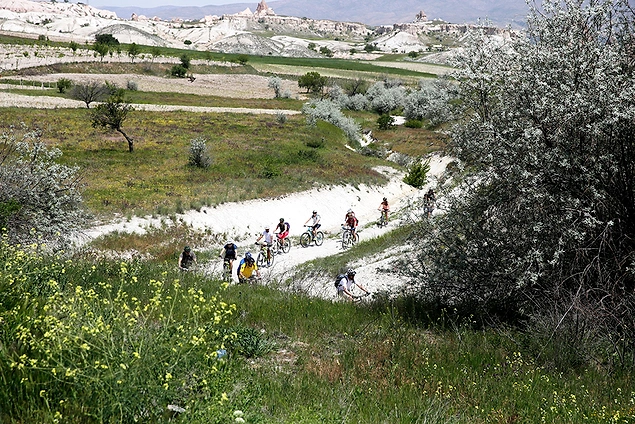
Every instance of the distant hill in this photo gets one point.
(370, 12)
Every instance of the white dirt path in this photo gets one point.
(244, 221)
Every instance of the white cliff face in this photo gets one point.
(238, 33)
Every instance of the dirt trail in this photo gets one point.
(244, 221)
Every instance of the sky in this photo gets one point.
(155, 3)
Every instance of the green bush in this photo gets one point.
(413, 123)
(64, 84)
(417, 174)
(178, 71)
(385, 122)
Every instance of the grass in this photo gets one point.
(290, 358)
(254, 156)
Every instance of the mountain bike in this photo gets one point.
(282, 246)
(227, 270)
(347, 237)
(428, 207)
(360, 297)
(261, 259)
(307, 237)
(383, 218)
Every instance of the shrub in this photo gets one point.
(281, 118)
(64, 84)
(132, 86)
(178, 71)
(385, 122)
(384, 99)
(315, 144)
(413, 123)
(328, 111)
(417, 174)
(199, 155)
(35, 191)
(275, 83)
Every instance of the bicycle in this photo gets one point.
(360, 297)
(428, 207)
(347, 237)
(383, 218)
(261, 259)
(307, 237)
(227, 270)
(252, 280)
(283, 246)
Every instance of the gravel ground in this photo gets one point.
(234, 86)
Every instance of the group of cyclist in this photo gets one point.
(247, 269)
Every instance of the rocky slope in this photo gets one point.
(262, 32)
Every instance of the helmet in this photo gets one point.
(385, 200)
(186, 248)
(281, 219)
(267, 228)
(351, 272)
(349, 211)
(248, 256)
(314, 212)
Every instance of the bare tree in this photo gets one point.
(89, 93)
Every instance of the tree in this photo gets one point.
(112, 114)
(133, 51)
(36, 192)
(543, 225)
(73, 45)
(242, 59)
(186, 61)
(64, 84)
(101, 49)
(275, 82)
(385, 122)
(313, 82)
(89, 92)
(106, 39)
(155, 52)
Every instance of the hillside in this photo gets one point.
(261, 32)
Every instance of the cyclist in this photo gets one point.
(268, 241)
(186, 259)
(230, 249)
(283, 231)
(429, 201)
(247, 269)
(351, 222)
(316, 222)
(384, 208)
(345, 283)
(242, 261)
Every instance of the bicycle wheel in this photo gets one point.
(286, 245)
(261, 260)
(319, 238)
(305, 239)
(346, 239)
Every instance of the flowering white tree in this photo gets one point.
(38, 196)
(544, 222)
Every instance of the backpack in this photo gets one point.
(242, 261)
(338, 280)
